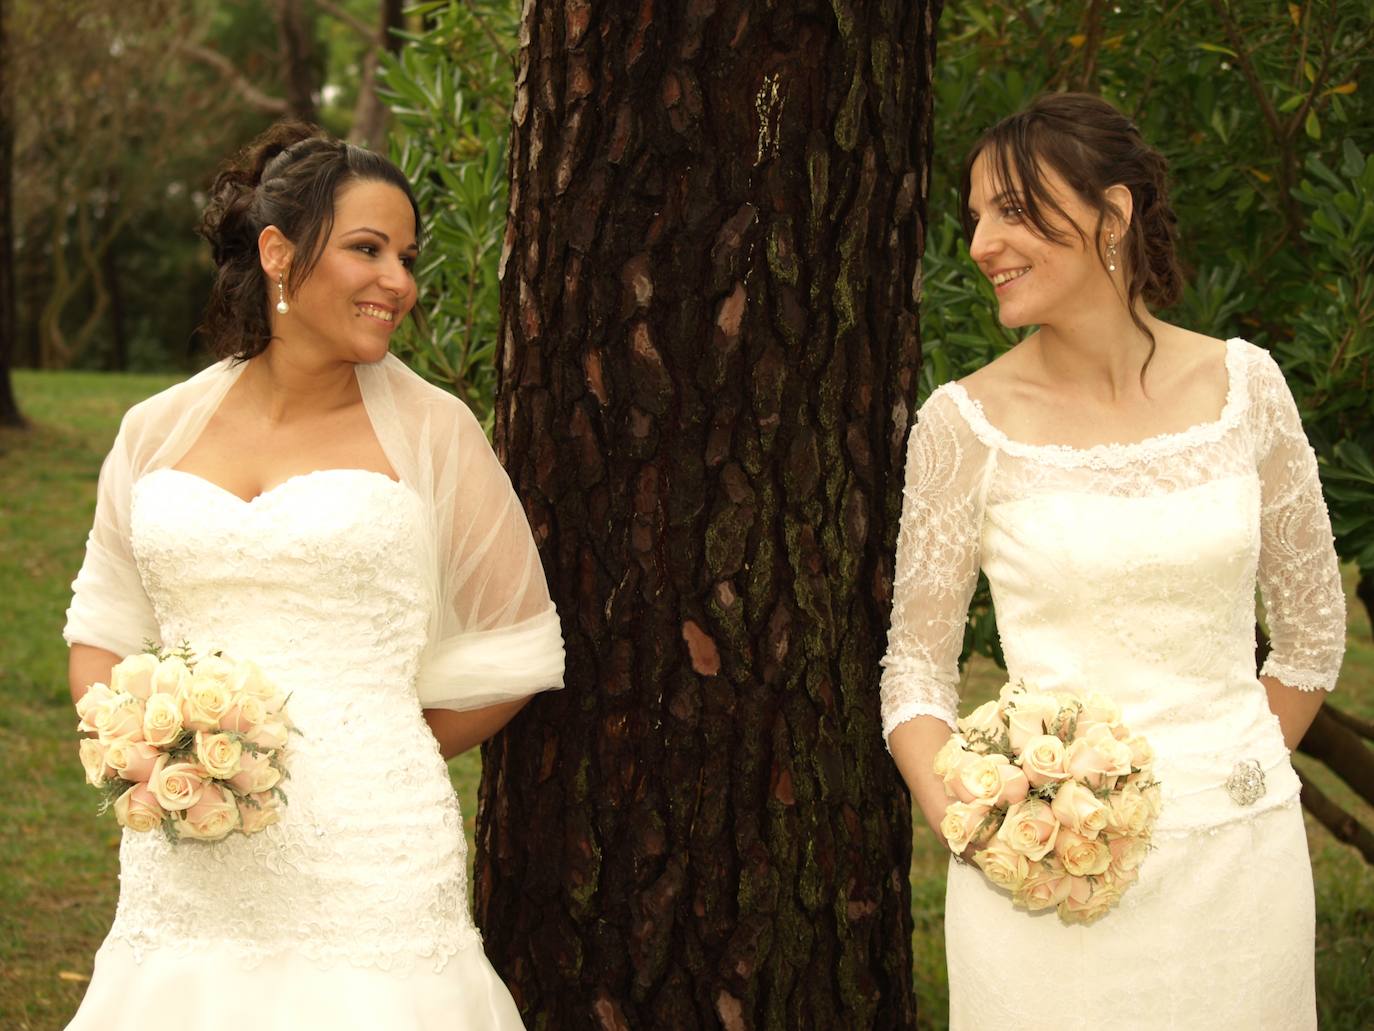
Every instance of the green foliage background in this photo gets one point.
(1259, 108)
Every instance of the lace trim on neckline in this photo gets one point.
(1115, 455)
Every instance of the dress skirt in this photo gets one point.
(196, 991)
(1218, 934)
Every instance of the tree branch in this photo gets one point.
(1247, 69)
(257, 98)
(1352, 722)
(362, 28)
(1343, 827)
(1343, 752)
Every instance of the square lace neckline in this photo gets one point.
(1114, 454)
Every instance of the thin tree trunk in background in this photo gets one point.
(370, 114)
(707, 373)
(119, 331)
(9, 316)
(300, 70)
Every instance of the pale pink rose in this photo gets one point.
(120, 719)
(270, 735)
(218, 754)
(138, 810)
(979, 778)
(96, 698)
(1079, 810)
(214, 668)
(1042, 760)
(1086, 905)
(1097, 759)
(1046, 885)
(246, 712)
(93, 762)
(1142, 755)
(212, 818)
(1128, 812)
(131, 760)
(1081, 857)
(1153, 797)
(1099, 709)
(172, 677)
(1127, 855)
(256, 774)
(248, 679)
(177, 786)
(1029, 828)
(1003, 866)
(257, 812)
(1015, 786)
(134, 676)
(985, 720)
(162, 720)
(1030, 715)
(950, 756)
(205, 702)
(964, 824)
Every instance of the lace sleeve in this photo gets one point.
(937, 565)
(1299, 578)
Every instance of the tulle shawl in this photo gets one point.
(494, 633)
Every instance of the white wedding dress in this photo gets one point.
(352, 912)
(1130, 570)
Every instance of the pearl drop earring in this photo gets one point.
(1111, 252)
(282, 306)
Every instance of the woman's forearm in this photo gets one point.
(87, 665)
(456, 732)
(1295, 709)
(913, 745)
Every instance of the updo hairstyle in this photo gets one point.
(1092, 146)
(288, 177)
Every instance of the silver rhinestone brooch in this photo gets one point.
(1246, 783)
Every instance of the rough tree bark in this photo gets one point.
(9, 318)
(708, 367)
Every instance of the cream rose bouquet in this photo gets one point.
(193, 747)
(1056, 795)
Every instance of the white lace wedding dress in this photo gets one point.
(352, 912)
(1131, 570)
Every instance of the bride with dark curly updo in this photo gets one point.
(311, 505)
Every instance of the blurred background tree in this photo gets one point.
(121, 114)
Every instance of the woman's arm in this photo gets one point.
(1295, 708)
(456, 732)
(87, 665)
(913, 745)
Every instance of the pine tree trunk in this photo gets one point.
(9, 316)
(707, 372)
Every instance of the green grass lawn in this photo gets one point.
(58, 890)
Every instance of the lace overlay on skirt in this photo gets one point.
(318, 582)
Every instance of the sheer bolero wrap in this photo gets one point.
(960, 467)
(494, 634)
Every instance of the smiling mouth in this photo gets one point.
(385, 314)
(1003, 278)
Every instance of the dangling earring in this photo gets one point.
(1111, 255)
(282, 306)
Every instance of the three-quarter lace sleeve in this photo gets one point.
(937, 565)
(1299, 577)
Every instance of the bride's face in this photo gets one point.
(1038, 281)
(363, 285)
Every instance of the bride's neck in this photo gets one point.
(285, 386)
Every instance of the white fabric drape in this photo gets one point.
(494, 633)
